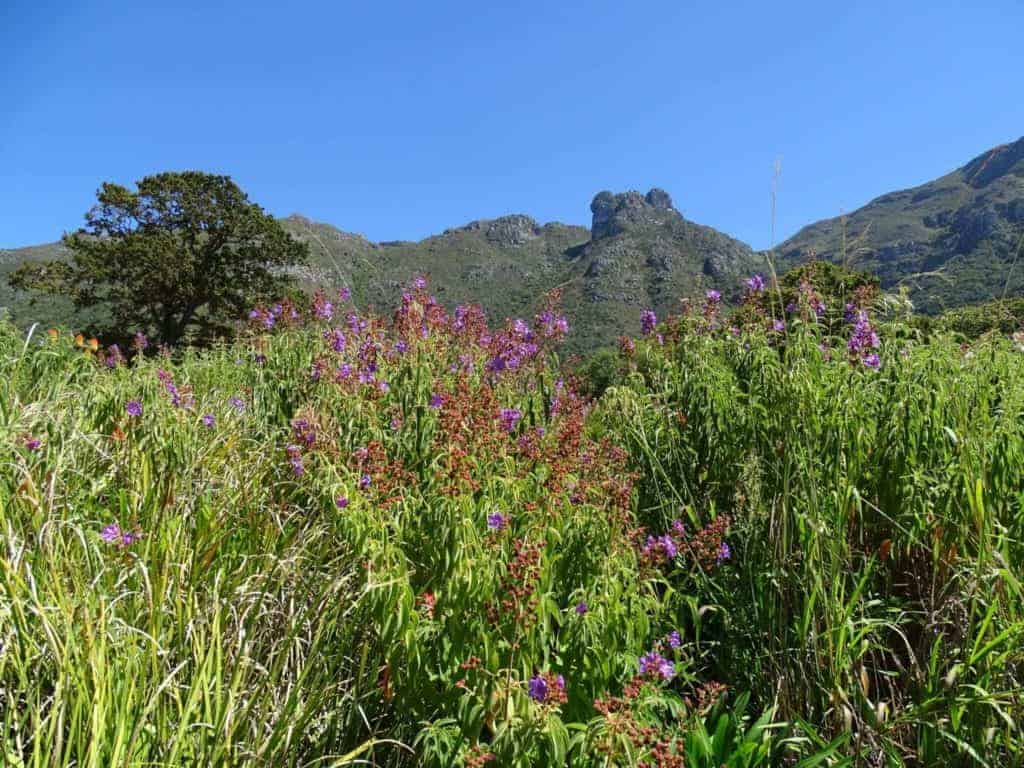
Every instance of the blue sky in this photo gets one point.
(398, 120)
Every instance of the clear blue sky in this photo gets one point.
(397, 120)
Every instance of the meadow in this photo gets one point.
(354, 540)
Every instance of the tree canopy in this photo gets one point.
(179, 259)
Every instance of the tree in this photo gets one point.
(178, 259)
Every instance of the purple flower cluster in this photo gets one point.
(724, 553)
(512, 347)
(336, 338)
(322, 308)
(653, 663)
(863, 340)
(113, 357)
(294, 453)
(179, 398)
(552, 326)
(303, 432)
(133, 408)
(509, 418)
(661, 548)
(756, 283)
(545, 689)
(113, 534)
(648, 321)
(497, 521)
(209, 420)
(237, 403)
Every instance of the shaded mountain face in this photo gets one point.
(949, 242)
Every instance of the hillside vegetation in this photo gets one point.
(952, 241)
(351, 540)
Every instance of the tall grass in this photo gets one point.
(349, 541)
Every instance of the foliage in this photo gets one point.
(180, 257)
(411, 542)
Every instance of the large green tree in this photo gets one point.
(180, 258)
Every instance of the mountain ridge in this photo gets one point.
(948, 242)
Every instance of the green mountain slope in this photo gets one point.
(952, 241)
(640, 252)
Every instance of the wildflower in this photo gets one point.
(364, 482)
(134, 408)
(509, 418)
(336, 338)
(209, 420)
(648, 320)
(496, 521)
(419, 283)
(724, 553)
(546, 688)
(345, 293)
(713, 296)
(436, 401)
(113, 357)
(755, 283)
(779, 326)
(237, 403)
(872, 361)
(581, 608)
(322, 308)
(653, 663)
(341, 502)
(114, 534)
(673, 639)
(140, 342)
(32, 442)
(260, 359)
(295, 459)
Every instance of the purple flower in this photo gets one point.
(419, 283)
(209, 420)
(134, 408)
(113, 534)
(655, 663)
(496, 521)
(237, 403)
(779, 326)
(33, 443)
(668, 545)
(673, 639)
(436, 401)
(140, 342)
(345, 294)
(648, 320)
(341, 502)
(538, 689)
(295, 459)
(509, 418)
(581, 608)
(756, 283)
(365, 481)
(724, 553)
(322, 308)
(872, 361)
(713, 296)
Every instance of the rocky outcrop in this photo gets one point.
(614, 214)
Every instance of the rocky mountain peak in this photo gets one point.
(614, 213)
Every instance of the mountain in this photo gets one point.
(950, 242)
(639, 252)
